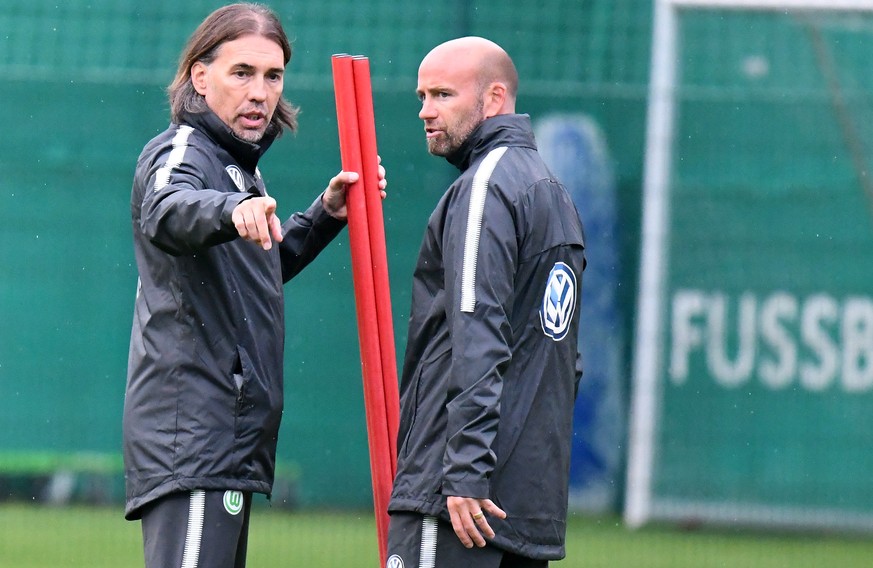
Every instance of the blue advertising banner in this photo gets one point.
(576, 151)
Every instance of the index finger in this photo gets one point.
(258, 222)
(275, 227)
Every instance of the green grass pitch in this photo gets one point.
(34, 536)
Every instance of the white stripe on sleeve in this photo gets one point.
(474, 227)
(177, 154)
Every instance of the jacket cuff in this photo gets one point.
(320, 216)
(479, 489)
(230, 204)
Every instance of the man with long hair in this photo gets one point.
(204, 391)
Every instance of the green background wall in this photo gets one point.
(765, 374)
(82, 92)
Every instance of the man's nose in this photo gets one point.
(258, 89)
(427, 109)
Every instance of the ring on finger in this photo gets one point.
(478, 515)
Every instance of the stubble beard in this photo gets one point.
(454, 137)
(251, 136)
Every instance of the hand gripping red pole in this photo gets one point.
(377, 343)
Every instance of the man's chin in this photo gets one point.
(437, 149)
(252, 136)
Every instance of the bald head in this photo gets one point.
(481, 61)
(462, 83)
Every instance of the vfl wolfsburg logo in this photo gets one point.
(233, 502)
(559, 302)
(394, 562)
(237, 176)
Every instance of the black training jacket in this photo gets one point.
(204, 388)
(490, 372)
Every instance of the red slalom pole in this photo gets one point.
(381, 458)
(378, 252)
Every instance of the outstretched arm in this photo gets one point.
(255, 219)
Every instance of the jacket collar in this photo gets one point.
(500, 130)
(245, 153)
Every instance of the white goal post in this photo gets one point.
(655, 228)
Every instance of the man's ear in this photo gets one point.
(495, 99)
(198, 77)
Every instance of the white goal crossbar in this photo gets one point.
(653, 254)
(846, 5)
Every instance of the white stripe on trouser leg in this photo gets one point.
(196, 511)
(427, 557)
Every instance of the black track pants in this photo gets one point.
(197, 529)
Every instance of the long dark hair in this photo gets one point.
(223, 25)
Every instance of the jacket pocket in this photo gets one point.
(428, 397)
(253, 413)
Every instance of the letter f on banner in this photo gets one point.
(689, 306)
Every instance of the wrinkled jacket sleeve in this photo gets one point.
(304, 235)
(180, 214)
(481, 341)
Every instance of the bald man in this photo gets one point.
(491, 370)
